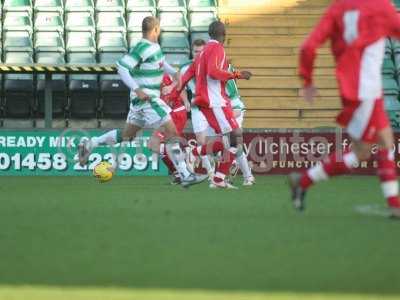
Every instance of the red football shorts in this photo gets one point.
(221, 119)
(363, 119)
(179, 118)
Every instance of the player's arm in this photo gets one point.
(170, 70)
(127, 63)
(317, 37)
(186, 77)
(215, 71)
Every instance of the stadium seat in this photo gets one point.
(114, 95)
(110, 5)
(18, 88)
(80, 21)
(17, 21)
(49, 42)
(17, 41)
(199, 35)
(175, 42)
(17, 6)
(135, 20)
(49, 6)
(392, 107)
(173, 21)
(397, 3)
(111, 42)
(58, 84)
(172, 5)
(83, 89)
(176, 59)
(388, 49)
(49, 21)
(390, 86)
(80, 42)
(202, 5)
(110, 21)
(200, 21)
(388, 67)
(79, 6)
(141, 5)
(133, 39)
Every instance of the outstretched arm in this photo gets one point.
(308, 50)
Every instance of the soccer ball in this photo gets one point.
(103, 171)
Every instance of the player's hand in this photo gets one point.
(142, 95)
(309, 93)
(243, 75)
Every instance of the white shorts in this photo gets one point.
(149, 114)
(200, 123)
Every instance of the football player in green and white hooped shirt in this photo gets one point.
(142, 70)
(199, 121)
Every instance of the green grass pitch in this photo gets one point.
(140, 238)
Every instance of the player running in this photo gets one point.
(142, 71)
(210, 70)
(356, 29)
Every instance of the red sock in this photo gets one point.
(330, 167)
(387, 174)
(210, 148)
(226, 162)
(168, 162)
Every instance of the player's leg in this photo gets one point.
(387, 171)
(200, 126)
(241, 156)
(223, 122)
(361, 123)
(110, 138)
(157, 115)
(157, 146)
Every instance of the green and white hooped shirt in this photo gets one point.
(145, 64)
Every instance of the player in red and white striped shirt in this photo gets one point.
(210, 70)
(356, 29)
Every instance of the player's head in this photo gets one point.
(217, 32)
(197, 47)
(151, 28)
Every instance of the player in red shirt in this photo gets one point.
(356, 29)
(178, 114)
(210, 70)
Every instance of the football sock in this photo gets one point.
(109, 138)
(210, 148)
(168, 162)
(177, 157)
(330, 167)
(388, 176)
(205, 162)
(223, 168)
(243, 164)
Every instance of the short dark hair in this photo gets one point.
(216, 30)
(199, 42)
(149, 23)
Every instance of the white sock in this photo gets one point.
(109, 138)
(243, 163)
(205, 161)
(178, 158)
